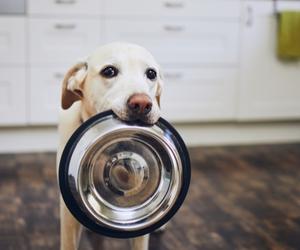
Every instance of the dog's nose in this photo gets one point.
(139, 104)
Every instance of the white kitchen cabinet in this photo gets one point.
(65, 7)
(54, 41)
(12, 40)
(12, 96)
(45, 91)
(199, 94)
(179, 41)
(173, 8)
(270, 88)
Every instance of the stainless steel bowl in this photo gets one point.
(124, 179)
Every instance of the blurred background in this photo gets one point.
(232, 89)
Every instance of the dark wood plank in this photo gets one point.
(240, 198)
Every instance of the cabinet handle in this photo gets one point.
(65, 1)
(173, 76)
(174, 28)
(249, 16)
(58, 75)
(174, 5)
(61, 26)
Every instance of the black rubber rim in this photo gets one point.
(82, 217)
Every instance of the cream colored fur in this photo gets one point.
(85, 92)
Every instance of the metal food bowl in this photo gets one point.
(124, 179)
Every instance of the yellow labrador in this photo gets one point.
(118, 76)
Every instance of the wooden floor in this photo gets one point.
(240, 198)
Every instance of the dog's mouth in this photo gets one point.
(148, 119)
(141, 119)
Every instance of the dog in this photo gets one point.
(122, 77)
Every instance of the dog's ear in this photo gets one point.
(159, 89)
(158, 96)
(73, 84)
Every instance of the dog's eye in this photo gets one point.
(109, 72)
(151, 74)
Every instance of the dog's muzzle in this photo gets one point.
(124, 179)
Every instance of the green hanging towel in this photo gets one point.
(288, 46)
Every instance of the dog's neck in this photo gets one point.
(85, 113)
(83, 116)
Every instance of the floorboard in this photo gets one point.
(244, 197)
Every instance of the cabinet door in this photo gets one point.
(64, 7)
(45, 91)
(270, 88)
(173, 8)
(54, 41)
(12, 40)
(179, 41)
(12, 96)
(195, 94)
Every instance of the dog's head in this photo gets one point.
(118, 76)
